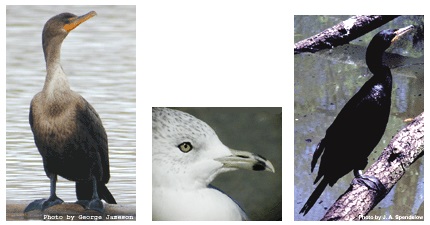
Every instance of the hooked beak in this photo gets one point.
(400, 32)
(246, 160)
(76, 21)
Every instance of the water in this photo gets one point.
(99, 58)
(325, 81)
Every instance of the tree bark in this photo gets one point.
(404, 149)
(341, 33)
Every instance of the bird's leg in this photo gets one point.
(370, 182)
(95, 203)
(42, 204)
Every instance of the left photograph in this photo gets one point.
(71, 113)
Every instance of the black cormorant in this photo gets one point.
(67, 130)
(360, 124)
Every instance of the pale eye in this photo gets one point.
(185, 147)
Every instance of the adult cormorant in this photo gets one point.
(67, 130)
(360, 124)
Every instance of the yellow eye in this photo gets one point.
(185, 147)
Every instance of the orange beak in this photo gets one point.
(76, 21)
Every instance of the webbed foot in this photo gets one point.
(370, 182)
(93, 204)
(42, 204)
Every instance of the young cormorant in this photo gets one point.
(360, 124)
(67, 130)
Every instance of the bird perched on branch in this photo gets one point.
(360, 124)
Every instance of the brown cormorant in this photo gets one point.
(360, 124)
(67, 130)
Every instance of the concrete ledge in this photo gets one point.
(70, 212)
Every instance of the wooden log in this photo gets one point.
(341, 33)
(70, 212)
(404, 149)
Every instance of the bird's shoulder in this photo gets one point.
(88, 117)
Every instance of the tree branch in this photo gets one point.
(341, 33)
(404, 149)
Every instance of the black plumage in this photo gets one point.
(360, 124)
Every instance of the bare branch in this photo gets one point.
(404, 149)
(341, 33)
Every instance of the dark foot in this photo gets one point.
(43, 204)
(370, 182)
(94, 204)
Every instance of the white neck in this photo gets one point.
(195, 204)
(56, 80)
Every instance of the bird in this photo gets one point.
(360, 124)
(187, 155)
(67, 130)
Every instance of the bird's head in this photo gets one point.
(380, 42)
(58, 27)
(385, 38)
(188, 151)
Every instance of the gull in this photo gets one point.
(187, 155)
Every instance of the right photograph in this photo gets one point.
(359, 118)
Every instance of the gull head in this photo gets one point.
(187, 153)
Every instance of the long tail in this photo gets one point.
(105, 194)
(314, 197)
(84, 191)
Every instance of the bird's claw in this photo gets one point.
(42, 204)
(94, 204)
(370, 182)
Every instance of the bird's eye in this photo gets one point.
(185, 147)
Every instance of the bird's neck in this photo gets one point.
(56, 79)
(374, 61)
(193, 204)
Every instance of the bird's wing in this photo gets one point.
(91, 128)
(242, 212)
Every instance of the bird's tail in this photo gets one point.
(314, 197)
(84, 191)
(105, 194)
